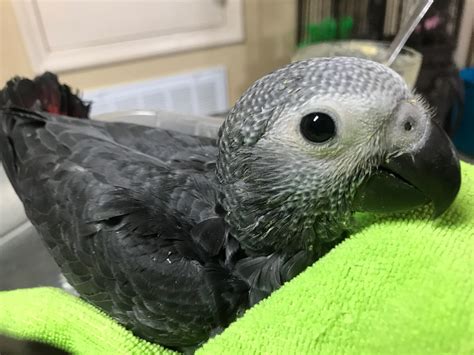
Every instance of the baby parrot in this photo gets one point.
(174, 236)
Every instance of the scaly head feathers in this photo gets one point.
(289, 184)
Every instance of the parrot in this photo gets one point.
(175, 236)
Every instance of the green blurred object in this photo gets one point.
(327, 30)
(313, 33)
(345, 27)
(401, 284)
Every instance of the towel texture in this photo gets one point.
(53, 316)
(400, 285)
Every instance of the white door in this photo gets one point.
(71, 34)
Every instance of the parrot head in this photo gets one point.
(309, 144)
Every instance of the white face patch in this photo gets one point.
(357, 119)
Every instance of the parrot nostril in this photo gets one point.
(408, 126)
(219, 209)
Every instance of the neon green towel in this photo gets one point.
(400, 285)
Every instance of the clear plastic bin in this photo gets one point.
(204, 126)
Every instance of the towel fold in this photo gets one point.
(400, 285)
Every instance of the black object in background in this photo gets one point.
(439, 82)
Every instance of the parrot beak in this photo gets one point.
(430, 174)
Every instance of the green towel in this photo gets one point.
(400, 285)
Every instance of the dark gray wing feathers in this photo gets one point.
(127, 219)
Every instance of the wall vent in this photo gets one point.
(201, 92)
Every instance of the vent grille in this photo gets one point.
(199, 93)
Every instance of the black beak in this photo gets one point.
(430, 174)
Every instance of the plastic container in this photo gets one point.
(407, 64)
(204, 126)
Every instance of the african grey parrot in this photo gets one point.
(175, 236)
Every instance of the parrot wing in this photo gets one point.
(132, 217)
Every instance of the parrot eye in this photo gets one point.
(318, 127)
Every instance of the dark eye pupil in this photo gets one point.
(318, 127)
